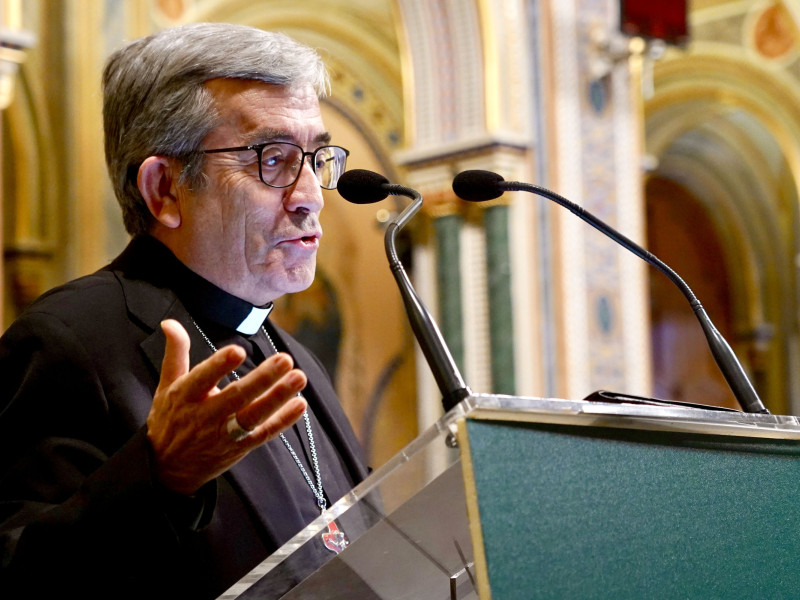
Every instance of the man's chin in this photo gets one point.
(296, 280)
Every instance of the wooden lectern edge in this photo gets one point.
(473, 511)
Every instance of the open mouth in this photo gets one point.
(306, 241)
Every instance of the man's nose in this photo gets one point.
(306, 194)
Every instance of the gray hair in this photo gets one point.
(155, 103)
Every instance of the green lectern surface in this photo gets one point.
(599, 512)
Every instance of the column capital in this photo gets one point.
(432, 175)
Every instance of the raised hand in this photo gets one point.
(187, 425)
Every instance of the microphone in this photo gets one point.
(360, 186)
(477, 185)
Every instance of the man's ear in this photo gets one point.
(155, 181)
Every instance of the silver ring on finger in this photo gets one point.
(235, 431)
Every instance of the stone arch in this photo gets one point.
(729, 134)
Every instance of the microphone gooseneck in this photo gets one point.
(478, 185)
(364, 187)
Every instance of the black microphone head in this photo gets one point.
(360, 186)
(477, 185)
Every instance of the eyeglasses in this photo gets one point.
(280, 163)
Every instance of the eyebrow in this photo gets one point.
(280, 135)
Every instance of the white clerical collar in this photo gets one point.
(255, 319)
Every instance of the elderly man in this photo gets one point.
(153, 441)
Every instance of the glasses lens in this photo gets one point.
(329, 164)
(280, 164)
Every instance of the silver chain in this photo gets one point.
(317, 490)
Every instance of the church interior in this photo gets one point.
(681, 130)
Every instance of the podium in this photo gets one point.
(508, 498)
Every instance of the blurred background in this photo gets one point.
(677, 122)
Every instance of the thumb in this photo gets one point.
(176, 352)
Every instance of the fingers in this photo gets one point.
(258, 381)
(176, 352)
(205, 375)
(280, 397)
(286, 416)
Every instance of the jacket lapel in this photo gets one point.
(149, 305)
(325, 404)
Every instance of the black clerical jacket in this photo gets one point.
(79, 509)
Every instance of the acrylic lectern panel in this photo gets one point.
(407, 527)
(560, 499)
